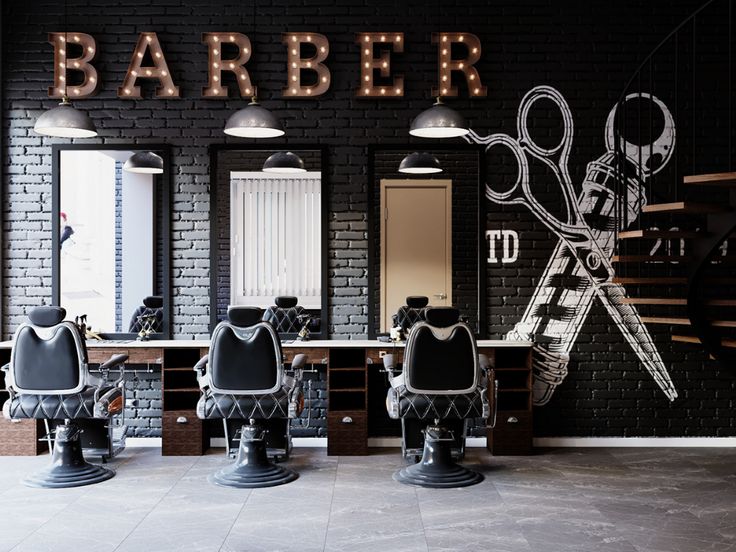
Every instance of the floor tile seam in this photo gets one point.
(332, 501)
(153, 507)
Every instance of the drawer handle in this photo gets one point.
(347, 420)
(182, 420)
(513, 420)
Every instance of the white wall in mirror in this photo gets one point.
(106, 228)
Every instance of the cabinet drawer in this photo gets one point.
(183, 434)
(347, 433)
(513, 433)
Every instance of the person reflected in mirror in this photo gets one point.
(66, 230)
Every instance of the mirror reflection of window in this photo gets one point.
(275, 233)
(106, 226)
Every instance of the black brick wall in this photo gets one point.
(586, 50)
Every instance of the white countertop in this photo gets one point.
(317, 343)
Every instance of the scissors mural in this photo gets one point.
(580, 268)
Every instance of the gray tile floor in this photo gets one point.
(572, 500)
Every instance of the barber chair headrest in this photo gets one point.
(153, 302)
(47, 316)
(442, 317)
(417, 301)
(286, 301)
(243, 317)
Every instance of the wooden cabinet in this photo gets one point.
(183, 434)
(347, 388)
(513, 432)
(22, 437)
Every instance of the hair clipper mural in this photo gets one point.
(580, 268)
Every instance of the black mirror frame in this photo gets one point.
(373, 149)
(214, 151)
(165, 191)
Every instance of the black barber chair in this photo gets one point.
(290, 318)
(411, 313)
(243, 378)
(149, 317)
(48, 378)
(442, 380)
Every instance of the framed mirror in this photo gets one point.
(110, 237)
(426, 232)
(269, 233)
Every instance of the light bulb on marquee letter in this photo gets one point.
(446, 65)
(159, 70)
(368, 64)
(216, 64)
(295, 64)
(63, 64)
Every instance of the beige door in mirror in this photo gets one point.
(416, 243)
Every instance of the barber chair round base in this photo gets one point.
(68, 467)
(252, 468)
(437, 469)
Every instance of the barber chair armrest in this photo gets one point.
(115, 362)
(5, 367)
(201, 368)
(485, 363)
(395, 374)
(297, 365)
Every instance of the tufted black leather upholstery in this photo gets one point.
(91, 402)
(411, 313)
(244, 375)
(48, 377)
(152, 306)
(285, 315)
(441, 374)
(244, 407)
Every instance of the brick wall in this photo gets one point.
(585, 50)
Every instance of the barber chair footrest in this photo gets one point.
(68, 467)
(437, 469)
(252, 468)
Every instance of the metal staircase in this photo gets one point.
(676, 241)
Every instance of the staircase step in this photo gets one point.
(685, 207)
(730, 343)
(643, 280)
(657, 234)
(653, 301)
(676, 301)
(665, 320)
(649, 258)
(685, 321)
(713, 179)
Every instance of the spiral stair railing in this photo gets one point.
(677, 208)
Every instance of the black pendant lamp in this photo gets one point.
(439, 121)
(284, 162)
(144, 162)
(254, 121)
(64, 121)
(420, 162)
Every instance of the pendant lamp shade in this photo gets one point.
(420, 163)
(254, 121)
(439, 121)
(64, 121)
(144, 162)
(284, 162)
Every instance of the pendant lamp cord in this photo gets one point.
(254, 99)
(64, 97)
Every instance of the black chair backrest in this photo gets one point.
(245, 354)
(441, 356)
(48, 354)
(285, 315)
(412, 312)
(152, 306)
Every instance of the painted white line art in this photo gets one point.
(580, 268)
